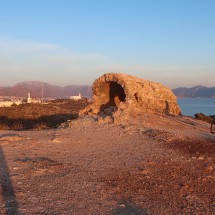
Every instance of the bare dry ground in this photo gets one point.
(153, 165)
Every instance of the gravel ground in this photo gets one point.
(156, 165)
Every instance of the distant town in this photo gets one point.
(7, 101)
(19, 91)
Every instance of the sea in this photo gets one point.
(191, 106)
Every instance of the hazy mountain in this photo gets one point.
(51, 91)
(197, 91)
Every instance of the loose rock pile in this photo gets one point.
(120, 95)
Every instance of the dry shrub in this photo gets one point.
(40, 116)
(203, 117)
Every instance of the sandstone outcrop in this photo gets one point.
(119, 95)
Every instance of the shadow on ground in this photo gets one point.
(10, 203)
(43, 122)
(129, 209)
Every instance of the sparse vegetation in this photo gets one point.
(38, 116)
(203, 117)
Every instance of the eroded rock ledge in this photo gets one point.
(116, 95)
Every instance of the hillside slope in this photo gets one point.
(51, 91)
(197, 91)
(154, 165)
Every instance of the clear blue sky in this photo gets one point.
(67, 42)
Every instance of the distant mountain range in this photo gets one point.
(49, 91)
(197, 91)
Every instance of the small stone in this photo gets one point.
(106, 120)
(201, 158)
(15, 168)
(209, 169)
(194, 157)
(145, 172)
(56, 141)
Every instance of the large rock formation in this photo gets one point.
(117, 94)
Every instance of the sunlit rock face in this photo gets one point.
(116, 94)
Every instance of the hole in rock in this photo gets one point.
(135, 96)
(114, 94)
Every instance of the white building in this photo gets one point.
(9, 103)
(33, 100)
(76, 98)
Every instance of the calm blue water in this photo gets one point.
(190, 106)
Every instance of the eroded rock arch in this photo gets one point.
(126, 92)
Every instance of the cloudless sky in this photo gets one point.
(67, 42)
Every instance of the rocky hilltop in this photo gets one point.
(154, 163)
(120, 94)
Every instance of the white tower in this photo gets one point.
(29, 98)
(42, 85)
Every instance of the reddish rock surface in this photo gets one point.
(120, 94)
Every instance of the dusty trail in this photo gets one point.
(153, 165)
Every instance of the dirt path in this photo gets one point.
(154, 165)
